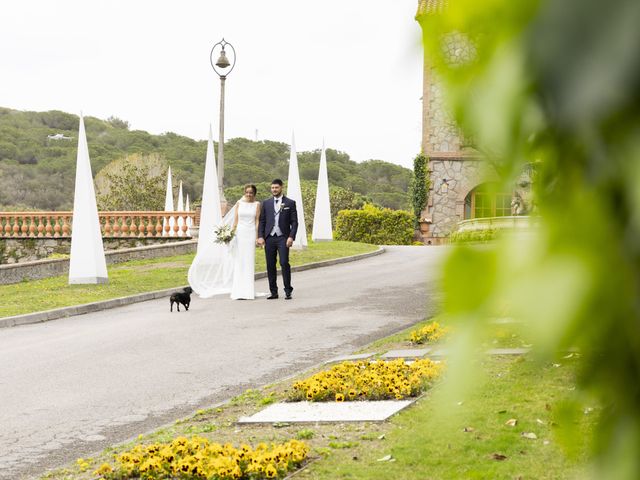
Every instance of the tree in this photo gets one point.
(23, 138)
(133, 183)
(419, 187)
(118, 123)
(8, 151)
(339, 198)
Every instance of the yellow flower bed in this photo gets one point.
(429, 333)
(367, 381)
(197, 458)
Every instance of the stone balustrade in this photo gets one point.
(494, 223)
(123, 224)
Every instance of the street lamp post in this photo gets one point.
(220, 67)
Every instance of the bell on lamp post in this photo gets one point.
(223, 61)
(220, 67)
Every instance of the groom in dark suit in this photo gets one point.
(276, 232)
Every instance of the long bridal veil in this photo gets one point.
(211, 272)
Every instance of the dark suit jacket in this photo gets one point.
(288, 220)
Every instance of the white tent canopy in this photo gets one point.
(322, 213)
(294, 192)
(87, 263)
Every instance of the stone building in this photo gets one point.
(461, 182)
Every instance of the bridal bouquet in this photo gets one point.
(224, 234)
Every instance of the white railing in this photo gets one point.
(497, 223)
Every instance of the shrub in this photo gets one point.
(379, 226)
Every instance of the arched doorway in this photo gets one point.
(486, 200)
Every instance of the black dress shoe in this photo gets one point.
(273, 296)
(287, 296)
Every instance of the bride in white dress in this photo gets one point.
(223, 268)
(247, 217)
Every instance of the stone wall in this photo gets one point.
(18, 272)
(440, 133)
(20, 250)
(454, 166)
(451, 180)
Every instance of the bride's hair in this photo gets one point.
(251, 186)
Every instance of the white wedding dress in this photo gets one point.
(245, 252)
(220, 268)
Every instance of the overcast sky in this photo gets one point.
(346, 70)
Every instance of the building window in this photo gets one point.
(486, 201)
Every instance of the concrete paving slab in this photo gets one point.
(412, 353)
(304, 412)
(350, 358)
(438, 353)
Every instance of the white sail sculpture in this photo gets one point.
(322, 213)
(294, 192)
(168, 207)
(212, 268)
(87, 263)
(180, 208)
(187, 208)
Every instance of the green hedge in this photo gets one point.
(379, 226)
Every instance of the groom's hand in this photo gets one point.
(289, 242)
(260, 242)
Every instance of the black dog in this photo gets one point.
(183, 297)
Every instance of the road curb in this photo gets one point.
(39, 317)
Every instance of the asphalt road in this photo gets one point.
(73, 386)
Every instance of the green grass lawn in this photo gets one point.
(470, 439)
(441, 437)
(436, 438)
(141, 276)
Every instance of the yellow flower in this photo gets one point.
(339, 397)
(167, 454)
(104, 469)
(83, 464)
(179, 441)
(270, 471)
(182, 466)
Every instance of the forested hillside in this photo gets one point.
(37, 171)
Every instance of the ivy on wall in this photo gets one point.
(420, 183)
